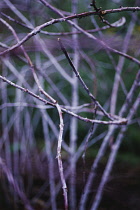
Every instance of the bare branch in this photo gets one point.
(120, 121)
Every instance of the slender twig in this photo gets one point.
(82, 82)
(116, 24)
(24, 121)
(64, 186)
(100, 12)
(54, 21)
(59, 111)
(100, 15)
(29, 62)
(41, 42)
(89, 35)
(119, 121)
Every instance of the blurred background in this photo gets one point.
(29, 129)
